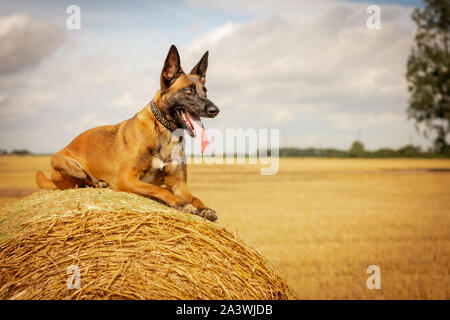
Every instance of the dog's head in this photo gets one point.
(183, 96)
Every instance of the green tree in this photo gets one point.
(428, 71)
(385, 153)
(356, 150)
(409, 151)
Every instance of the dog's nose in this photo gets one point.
(212, 111)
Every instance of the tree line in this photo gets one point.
(357, 150)
(18, 152)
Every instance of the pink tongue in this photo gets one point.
(199, 131)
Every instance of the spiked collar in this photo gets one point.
(160, 117)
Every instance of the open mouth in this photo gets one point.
(194, 127)
(189, 122)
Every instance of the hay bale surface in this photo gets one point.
(125, 247)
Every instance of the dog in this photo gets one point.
(136, 155)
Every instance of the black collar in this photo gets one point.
(160, 117)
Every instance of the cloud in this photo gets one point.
(25, 42)
(214, 36)
(304, 9)
(324, 70)
(350, 121)
(282, 116)
(24, 45)
(125, 100)
(312, 140)
(79, 87)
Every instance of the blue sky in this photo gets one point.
(311, 69)
(406, 3)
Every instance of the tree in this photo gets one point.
(428, 71)
(356, 150)
(385, 153)
(409, 151)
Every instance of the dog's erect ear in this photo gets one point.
(200, 68)
(171, 69)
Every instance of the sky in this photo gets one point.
(311, 69)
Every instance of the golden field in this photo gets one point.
(322, 222)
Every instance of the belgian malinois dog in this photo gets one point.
(136, 155)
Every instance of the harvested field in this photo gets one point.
(322, 222)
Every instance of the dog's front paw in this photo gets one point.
(188, 208)
(101, 184)
(208, 213)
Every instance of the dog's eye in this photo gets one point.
(189, 90)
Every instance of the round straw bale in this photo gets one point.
(102, 244)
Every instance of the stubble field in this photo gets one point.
(322, 222)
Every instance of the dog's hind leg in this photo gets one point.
(68, 173)
(43, 182)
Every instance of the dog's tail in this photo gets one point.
(43, 182)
